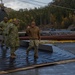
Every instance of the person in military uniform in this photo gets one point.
(3, 26)
(34, 34)
(12, 37)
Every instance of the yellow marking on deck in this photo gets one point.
(38, 65)
(56, 41)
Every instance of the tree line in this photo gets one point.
(57, 14)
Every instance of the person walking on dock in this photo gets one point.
(34, 35)
(12, 37)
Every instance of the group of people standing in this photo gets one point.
(10, 36)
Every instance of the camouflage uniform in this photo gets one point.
(3, 26)
(12, 37)
(34, 35)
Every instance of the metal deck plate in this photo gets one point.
(44, 57)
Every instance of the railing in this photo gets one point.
(53, 37)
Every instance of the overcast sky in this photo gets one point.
(18, 4)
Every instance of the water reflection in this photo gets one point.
(4, 51)
(28, 62)
(12, 63)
